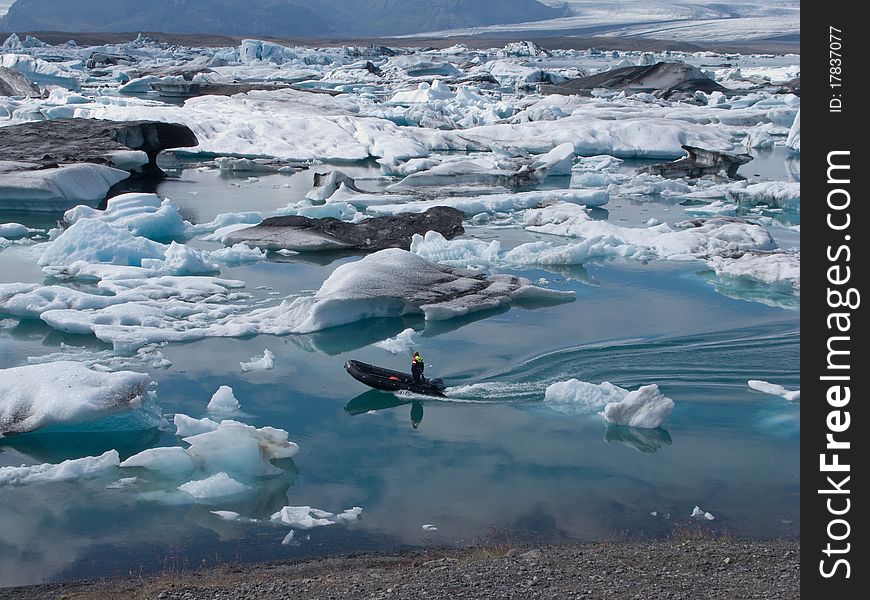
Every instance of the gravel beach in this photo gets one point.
(648, 570)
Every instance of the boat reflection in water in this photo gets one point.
(377, 400)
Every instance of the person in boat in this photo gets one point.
(417, 367)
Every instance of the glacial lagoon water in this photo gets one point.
(491, 463)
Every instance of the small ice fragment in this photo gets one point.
(215, 486)
(259, 363)
(223, 400)
(226, 515)
(697, 513)
(288, 538)
(654, 513)
(429, 527)
(774, 389)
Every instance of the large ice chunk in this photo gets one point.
(223, 400)
(58, 188)
(391, 283)
(645, 407)
(65, 392)
(96, 241)
(143, 214)
(76, 468)
(305, 517)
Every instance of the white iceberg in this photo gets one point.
(223, 400)
(698, 513)
(57, 188)
(76, 468)
(306, 517)
(259, 363)
(216, 486)
(645, 407)
(144, 215)
(392, 283)
(774, 389)
(402, 342)
(66, 392)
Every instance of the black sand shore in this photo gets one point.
(690, 569)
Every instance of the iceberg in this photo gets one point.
(56, 189)
(96, 241)
(403, 342)
(774, 389)
(66, 392)
(698, 513)
(305, 517)
(144, 215)
(259, 363)
(392, 283)
(794, 135)
(644, 407)
(223, 400)
(230, 447)
(491, 203)
(216, 486)
(76, 468)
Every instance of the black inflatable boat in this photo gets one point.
(391, 381)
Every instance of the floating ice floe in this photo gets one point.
(429, 527)
(215, 486)
(260, 363)
(69, 469)
(40, 71)
(56, 189)
(382, 205)
(187, 426)
(392, 283)
(239, 450)
(223, 400)
(480, 254)
(774, 389)
(143, 215)
(95, 241)
(699, 514)
(794, 135)
(645, 407)
(403, 342)
(305, 517)
(68, 393)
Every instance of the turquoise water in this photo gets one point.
(491, 463)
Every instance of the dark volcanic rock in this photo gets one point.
(700, 162)
(13, 83)
(377, 233)
(662, 77)
(90, 140)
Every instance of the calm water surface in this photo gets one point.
(490, 463)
